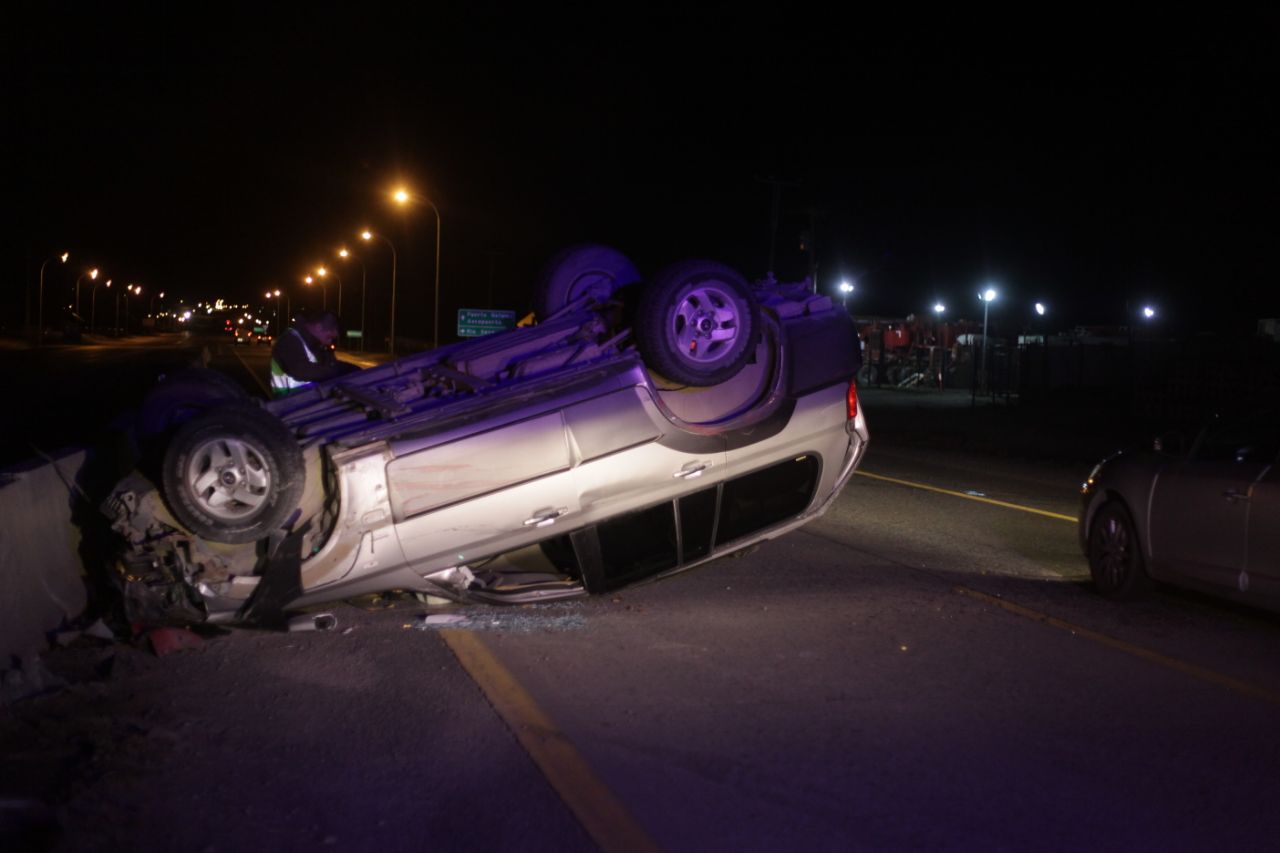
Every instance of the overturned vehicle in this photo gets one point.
(640, 428)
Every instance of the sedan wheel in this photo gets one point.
(1115, 555)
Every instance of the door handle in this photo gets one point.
(1234, 495)
(693, 469)
(545, 517)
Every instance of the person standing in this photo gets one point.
(304, 354)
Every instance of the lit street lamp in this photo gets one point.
(845, 289)
(93, 274)
(369, 235)
(93, 304)
(324, 301)
(322, 272)
(402, 197)
(136, 290)
(987, 296)
(153, 302)
(40, 297)
(345, 255)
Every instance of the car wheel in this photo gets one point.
(696, 322)
(1115, 555)
(233, 475)
(586, 270)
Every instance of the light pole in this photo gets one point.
(40, 297)
(402, 197)
(160, 295)
(93, 274)
(344, 255)
(93, 305)
(324, 301)
(987, 296)
(369, 235)
(845, 289)
(938, 310)
(135, 289)
(322, 272)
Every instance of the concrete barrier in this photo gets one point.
(42, 580)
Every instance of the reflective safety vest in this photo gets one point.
(281, 382)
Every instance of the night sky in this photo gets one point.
(1089, 163)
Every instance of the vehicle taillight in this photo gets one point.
(851, 399)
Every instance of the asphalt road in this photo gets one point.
(923, 667)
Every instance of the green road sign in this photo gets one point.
(474, 322)
(355, 333)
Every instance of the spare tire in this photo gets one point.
(588, 269)
(234, 474)
(696, 322)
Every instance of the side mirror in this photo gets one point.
(1170, 444)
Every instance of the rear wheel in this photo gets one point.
(1115, 555)
(696, 322)
(233, 475)
(586, 270)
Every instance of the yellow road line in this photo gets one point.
(1148, 655)
(978, 498)
(601, 814)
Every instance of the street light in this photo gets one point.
(40, 297)
(367, 235)
(324, 301)
(93, 304)
(160, 295)
(403, 197)
(939, 308)
(287, 307)
(1040, 309)
(987, 296)
(345, 255)
(322, 272)
(93, 274)
(136, 290)
(845, 289)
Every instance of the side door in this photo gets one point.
(630, 457)
(484, 494)
(1200, 507)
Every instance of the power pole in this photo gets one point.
(810, 242)
(777, 184)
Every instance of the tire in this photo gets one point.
(233, 475)
(696, 323)
(182, 395)
(1115, 554)
(587, 269)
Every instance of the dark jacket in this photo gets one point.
(292, 358)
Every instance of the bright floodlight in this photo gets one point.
(938, 308)
(846, 287)
(1040, 308)
(1148, 312)
(988, 295)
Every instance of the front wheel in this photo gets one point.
(233, 475)
(696, 322)
(1115, 555)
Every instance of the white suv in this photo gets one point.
(638, 429)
